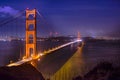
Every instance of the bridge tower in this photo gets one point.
(78, 36)
(30, 33)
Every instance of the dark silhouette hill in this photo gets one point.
(102, 71)
(22, 72)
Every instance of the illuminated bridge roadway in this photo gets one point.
(41, 54)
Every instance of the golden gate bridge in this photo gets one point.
(31, 38)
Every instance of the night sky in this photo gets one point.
(66, 17)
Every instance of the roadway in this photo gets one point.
(41, 54)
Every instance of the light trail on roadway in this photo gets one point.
(41, 54)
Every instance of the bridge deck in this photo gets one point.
(41, 54)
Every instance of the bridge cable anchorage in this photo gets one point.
(8, 20)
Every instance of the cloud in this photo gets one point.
(7, 10)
